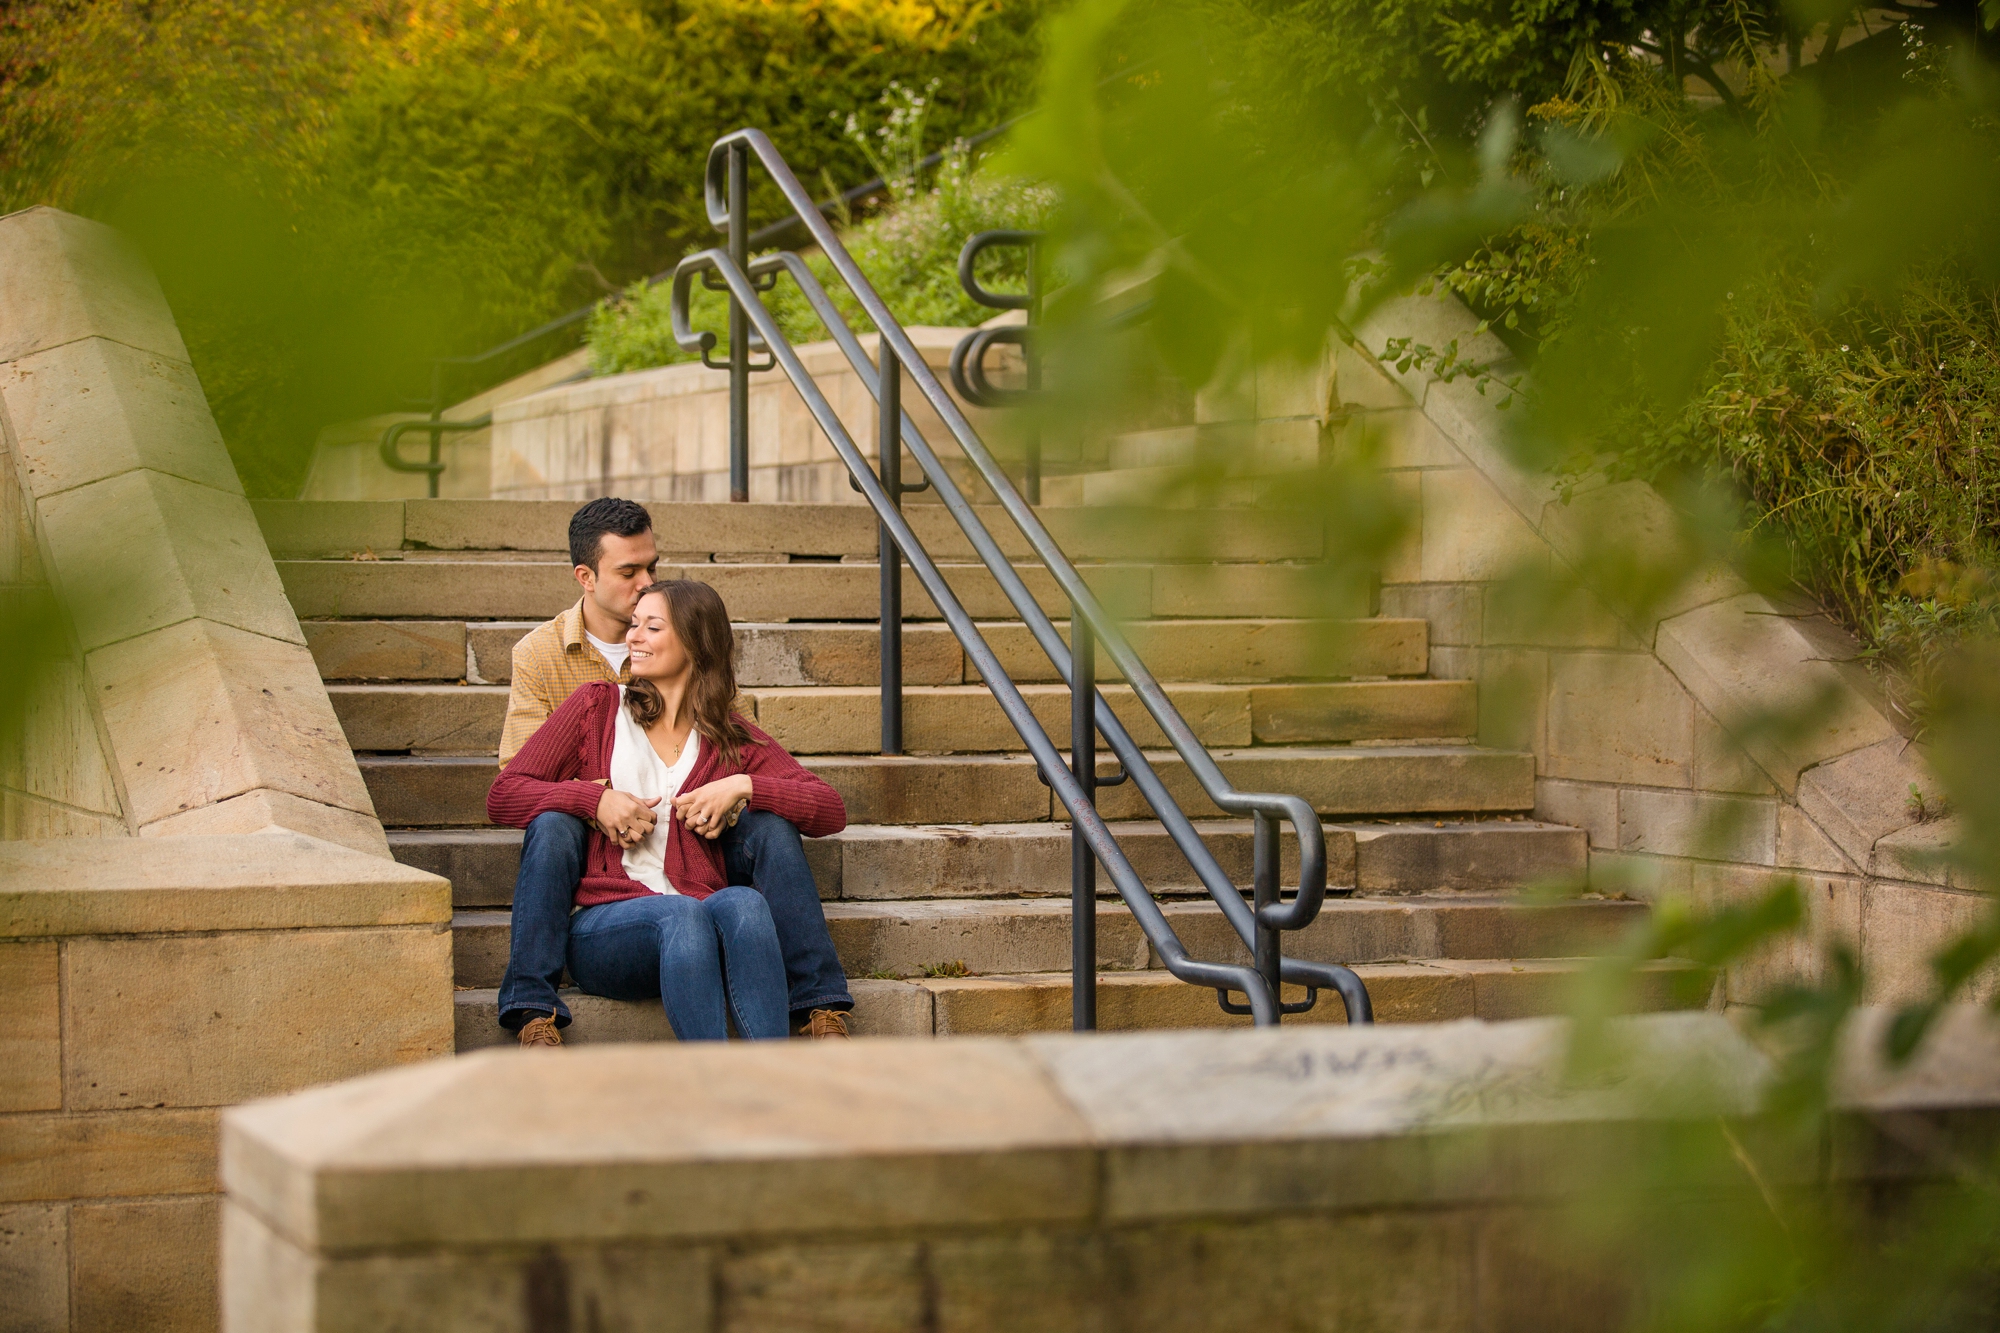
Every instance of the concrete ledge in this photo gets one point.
(279, 881)
(1048, 1182)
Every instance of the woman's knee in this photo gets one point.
(739, 909)
(766, 830)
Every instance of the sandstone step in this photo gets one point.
(917, 938)
(966, 719)
(318, 529)
(878, 862)
(1428, 992)
(433, 791)
(1213, 651)
(537, 590)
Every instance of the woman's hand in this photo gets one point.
(626, 819)
(711, 809)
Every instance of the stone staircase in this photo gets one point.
(947, 893)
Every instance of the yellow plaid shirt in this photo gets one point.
(550, 662)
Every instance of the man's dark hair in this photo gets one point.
(587, 526)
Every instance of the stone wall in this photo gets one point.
(254, 936)
(664, 434)
(1410, 1178)
(1647, 729)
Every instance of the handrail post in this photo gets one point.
(1031, 465)
(889, 440)
(437, 435)
(739, 328)
(1268, 958)
(1082, 861)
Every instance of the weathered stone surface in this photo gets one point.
(329, 529)
(1698, 824)
(921, 1154)
(881, 1009)
(430, 790)
(1545, 613)
(1903, 926)
(1802, 845)
(278, 1010)
(1232, 651)
(429, 589)
(68, 887)
(768, 655)
(480, 863)
(888, 862)
(387, 649)
(1722, 765)
(201, 712)
(1583, 805)
(906, 938)
(145, 1264)
(275, 812)
(1606, 525)
(1618, 717)
(91, 409)
(1488, 856)
(1832, 904)
(121, 1153)
(58, 754)
(1356, 780)
(68, 278)
(449, 718)
(34, 1267)
(1921, 853)
(1470, 534)
(1299, 591)
(490, 648)
(1861, 797)
(1455, 612)
(1363, 711)
(141, 551)
(910, 790)
(1744, 661)
(1413, 928)
(31, 1040)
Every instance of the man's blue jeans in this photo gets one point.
(691, 954)
(763, 850)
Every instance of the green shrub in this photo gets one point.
(335, 191)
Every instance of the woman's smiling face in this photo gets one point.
(657, 653)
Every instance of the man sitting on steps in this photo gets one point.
(613, 556)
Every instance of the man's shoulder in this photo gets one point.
(543, 643)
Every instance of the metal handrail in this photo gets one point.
(392, 439)
(1258, 926)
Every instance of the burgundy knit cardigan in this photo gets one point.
(566, 765)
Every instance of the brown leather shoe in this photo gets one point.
(827, 1023)
(541, 1032)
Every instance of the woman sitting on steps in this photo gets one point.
(660, 768)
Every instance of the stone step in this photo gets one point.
(918, 938)
(879, 862)
(1241, 651)
(450, 791)
(538, 589)
(342, 528)
(1427, 992)
(966, 719)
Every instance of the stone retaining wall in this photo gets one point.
(664, 434)
(255, 936)
(1644, 729)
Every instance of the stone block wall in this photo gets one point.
(254, 936)
(664, 434)
(1648, 729)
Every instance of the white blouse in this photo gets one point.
(636, 767)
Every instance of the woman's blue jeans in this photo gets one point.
(706, 959)
(763, 851)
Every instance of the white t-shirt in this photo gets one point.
(614, 653)
(636, 767)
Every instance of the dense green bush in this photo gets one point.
(335, 191)
(909, 252)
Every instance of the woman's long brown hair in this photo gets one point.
(701, 623)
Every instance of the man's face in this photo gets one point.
(624, 566)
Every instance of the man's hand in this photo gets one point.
(711, 809)
(626, 819)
